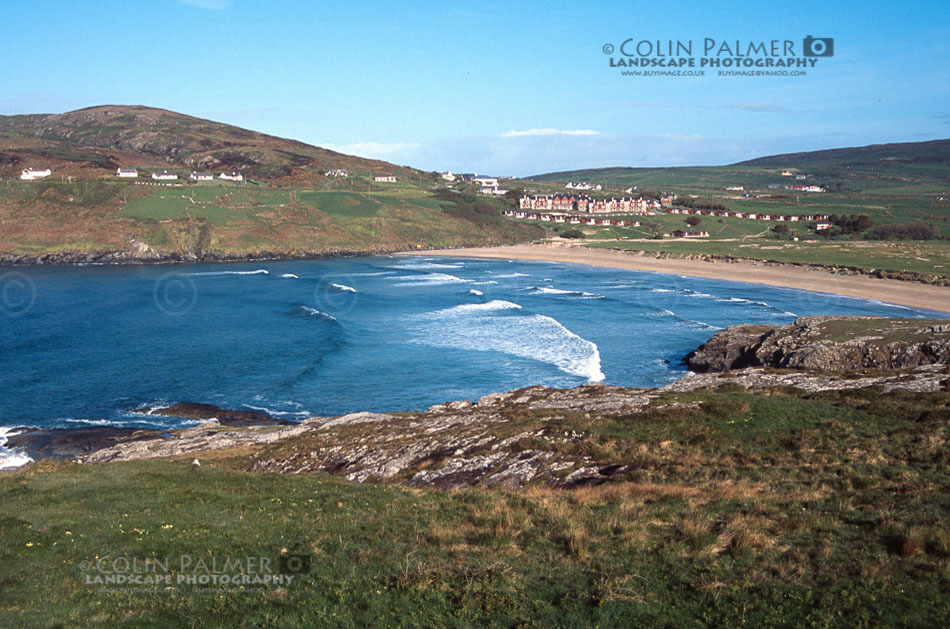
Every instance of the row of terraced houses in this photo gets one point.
(573, 220)
(753, 215)
(583, 203)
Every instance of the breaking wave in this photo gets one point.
(275, 413)
(257, 272)
(427, 266)
(497, 326)
(10, 459)
(307, 311)
(549, 290)
(430, 279)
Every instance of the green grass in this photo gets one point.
(927, 258)
(176, 203)
(348, 204)
(766, 509)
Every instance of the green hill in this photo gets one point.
(101, 139)
(286, 206)
(891, 168)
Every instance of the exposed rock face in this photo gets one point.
(505, 440)
(827, 343)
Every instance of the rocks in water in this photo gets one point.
(195, 410)
(827, 343)
(68, 443)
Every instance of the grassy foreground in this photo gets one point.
(774, 508)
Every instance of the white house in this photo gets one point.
(486, 182)
(385, 178)
(164, 176)
(232, 176)
(126, 173)
(30, 174)
(198, 176)
(493, 190)
(448, 176)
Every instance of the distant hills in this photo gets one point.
(926, 163)
(97, 140)
(934, 151)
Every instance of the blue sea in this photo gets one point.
(91, 345)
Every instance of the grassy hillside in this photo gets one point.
(767, 508)
(40, 217)
(916, 167)
(287, 204)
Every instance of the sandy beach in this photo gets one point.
(899, 292)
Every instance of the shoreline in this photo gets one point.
(900, 292)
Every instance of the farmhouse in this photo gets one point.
(448, 176)
(30, 174)
(233, 176)
(385, 178)
(126, 173)
(164, 176)
(700, 233)
(821, 226)
(198, 176)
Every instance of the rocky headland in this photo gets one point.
(827, 344)
(553, 437)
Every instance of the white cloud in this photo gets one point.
(373, 150)
(537, 132)
(208, 4)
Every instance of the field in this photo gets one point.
(355, 214)
(775, 508)
(927, 258)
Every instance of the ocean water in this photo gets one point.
(90, 345)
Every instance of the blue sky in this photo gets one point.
(493, 87)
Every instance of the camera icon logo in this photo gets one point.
(294, 564)
(818, 47)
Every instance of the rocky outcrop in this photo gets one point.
(827, 343)
(225, 417)
(503, 440)
(537, 435)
